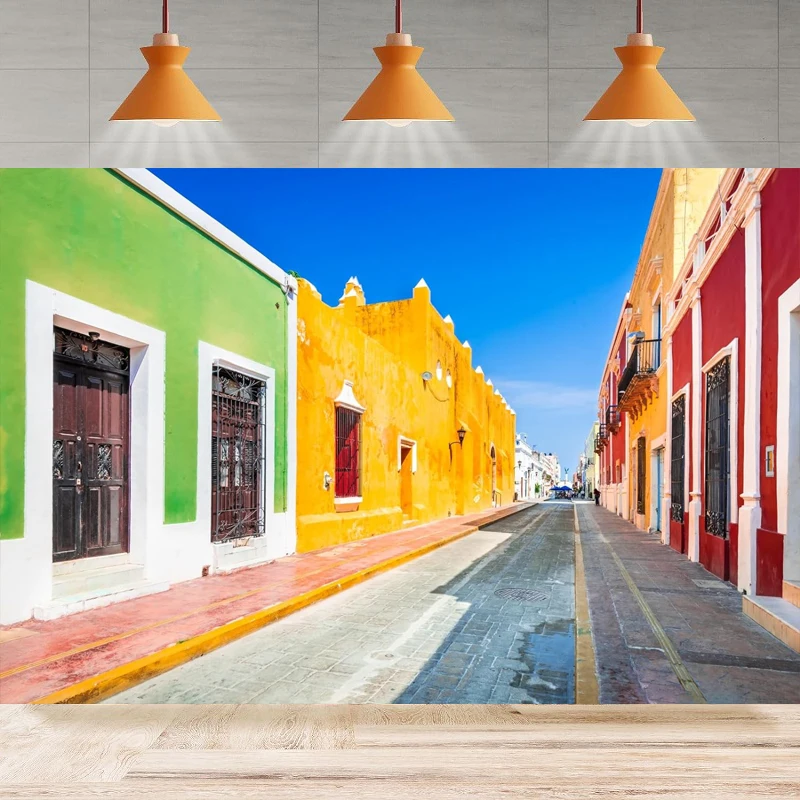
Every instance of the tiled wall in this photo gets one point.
(518, 75)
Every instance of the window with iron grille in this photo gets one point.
(641, 472)
(717, 461)
(678, 459)
(348, 453)
(237, 446)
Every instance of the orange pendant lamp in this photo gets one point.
(166, 95)
(399, 94)
(639, 95)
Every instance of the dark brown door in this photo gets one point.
(90, 460)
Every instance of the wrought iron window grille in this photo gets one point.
(678, 458)
(237, 452)
(347, 478)
(717, 449)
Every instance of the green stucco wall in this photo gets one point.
(90, 234)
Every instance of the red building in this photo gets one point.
(732, 343)
(610, 444)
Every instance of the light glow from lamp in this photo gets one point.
(165, 95)
(398, 95)
(639, 95)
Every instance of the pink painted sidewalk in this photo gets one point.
(49, 657)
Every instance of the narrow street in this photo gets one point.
(491, 619)
(487, 619)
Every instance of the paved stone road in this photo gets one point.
(490, 619)
(730, 658)
(487, 619)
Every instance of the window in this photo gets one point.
(237, 442)
(348, 453)
(678, 462)
(449, 379)
(641, 472)
(438, 370)
(717, 448)
(657, 332)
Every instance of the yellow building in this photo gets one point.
(634, 395)
(395, 426)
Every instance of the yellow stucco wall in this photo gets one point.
(687, 196)
(383, 348)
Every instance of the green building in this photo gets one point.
(148, 358)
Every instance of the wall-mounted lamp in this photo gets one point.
(461, 434)
(519, 464)
(426, 376)
(326, 481)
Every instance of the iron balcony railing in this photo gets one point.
(598, 445)
(613, 418)
(645, 359)
(603, 432)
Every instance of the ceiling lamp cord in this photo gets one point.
(165, 17)
(398, 16)
(639, 17)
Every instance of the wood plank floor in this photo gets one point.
(393, 752)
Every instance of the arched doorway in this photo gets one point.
(493, 456)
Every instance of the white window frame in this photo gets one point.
(210, 356)
(347, 399)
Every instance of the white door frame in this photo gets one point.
(787, 444)
(26, 564)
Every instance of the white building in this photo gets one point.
(551, 469)
(535, 472)
(527, 476)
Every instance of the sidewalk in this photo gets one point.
(94, 654)
(667, 631)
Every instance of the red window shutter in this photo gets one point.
(348, 445)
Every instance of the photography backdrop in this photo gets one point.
(518, 75)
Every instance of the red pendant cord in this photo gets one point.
(398, 16)
(165, 17)
(639, 17)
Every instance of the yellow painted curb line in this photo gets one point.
(675, 661)
(587, 691)
(106, 684)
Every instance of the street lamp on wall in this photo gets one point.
(461, 432)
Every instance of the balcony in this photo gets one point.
(613, 419)
(638, 382)
(603, 433)
(598, 445)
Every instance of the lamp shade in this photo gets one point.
(639, 94)
(399, 94)
(166, 94)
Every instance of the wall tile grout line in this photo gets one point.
(527, 98)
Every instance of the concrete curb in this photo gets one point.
(113, 681)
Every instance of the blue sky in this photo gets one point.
(532, 265)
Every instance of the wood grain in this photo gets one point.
(394, 752)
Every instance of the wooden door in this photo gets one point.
(90, 457)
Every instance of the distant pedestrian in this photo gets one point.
(597, 497)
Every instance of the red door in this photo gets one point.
(90, 449)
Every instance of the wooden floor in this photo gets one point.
(388, 752)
